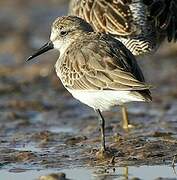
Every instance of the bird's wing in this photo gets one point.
(101, 64)
(164, 15)
(114, 17)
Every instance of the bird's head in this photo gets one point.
(64, 31)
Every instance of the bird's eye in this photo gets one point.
(63, 33)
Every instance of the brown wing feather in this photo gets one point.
(101, 63)
(110, 16)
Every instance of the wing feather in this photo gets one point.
(106, 16)
(101, 63)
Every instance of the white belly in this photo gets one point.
(103, 100)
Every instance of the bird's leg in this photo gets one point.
(102, 128)
(126, 173)
(125, 121)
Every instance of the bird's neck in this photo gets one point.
(67, 43)
(64, 47)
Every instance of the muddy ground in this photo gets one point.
(43, 127)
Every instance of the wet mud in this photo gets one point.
(42, 127)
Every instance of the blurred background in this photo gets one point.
(35, 109)
(25, 26)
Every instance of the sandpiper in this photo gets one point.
(94, 67)
(141, 25)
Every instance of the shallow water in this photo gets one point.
(143, 172)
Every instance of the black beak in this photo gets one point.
(48, 46)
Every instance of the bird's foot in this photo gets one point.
(128, 127)
(104, 154)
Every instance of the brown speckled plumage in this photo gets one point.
(141, 25)
(97, 61)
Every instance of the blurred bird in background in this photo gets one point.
(140, 24)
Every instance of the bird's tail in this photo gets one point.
(143, 95)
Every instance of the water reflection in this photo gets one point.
(111, 173)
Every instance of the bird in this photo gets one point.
(141, 25)
(94, 67)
